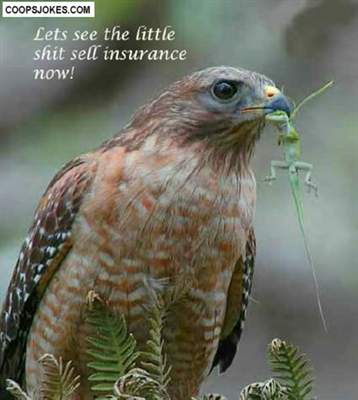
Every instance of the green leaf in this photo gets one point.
(111, 348)
(292, 369)
(153, 358)
(59, 380)
(15, 389)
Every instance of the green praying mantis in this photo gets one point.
(291, 144)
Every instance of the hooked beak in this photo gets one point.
(275, 100)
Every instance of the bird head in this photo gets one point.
(220, 110)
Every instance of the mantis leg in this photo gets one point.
(273, 165)
(303, 166)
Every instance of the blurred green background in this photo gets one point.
(298, 43)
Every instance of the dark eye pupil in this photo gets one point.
(224, 90)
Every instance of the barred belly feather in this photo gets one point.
(157, 226)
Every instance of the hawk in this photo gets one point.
(167, 202)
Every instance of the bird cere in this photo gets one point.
(163, 210)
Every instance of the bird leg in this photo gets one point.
(273, 165)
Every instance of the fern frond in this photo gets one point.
(210, 396)
(251, 392)
(59, 380)
(153, 358)
(273, 390)
(269, 390)
(137, 384)
(292, 369)
(111, 348)
(15, 390)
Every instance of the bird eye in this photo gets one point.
(224, 90)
